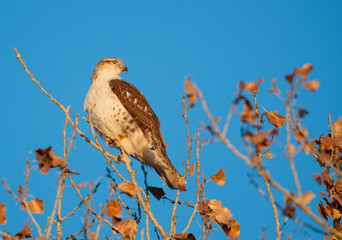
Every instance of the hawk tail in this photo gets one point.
(172, 178)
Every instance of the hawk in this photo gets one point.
(124, 119)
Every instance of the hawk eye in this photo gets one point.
(114, 62)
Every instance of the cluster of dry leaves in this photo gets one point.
(329, 156)
(258, 141)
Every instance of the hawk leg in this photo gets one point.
(115, 142)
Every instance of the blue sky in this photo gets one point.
(218, 42)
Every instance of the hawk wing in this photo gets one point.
(138, 107)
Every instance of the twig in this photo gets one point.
(199, 186)
(24, 202)
(262, 166)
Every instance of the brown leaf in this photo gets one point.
(191, 91)
(290, 77)
(250, 86)
(83, 184)
(128, 188)
(221, 216)
(274, 88)
(3, 218)
(304, 71)
(338, 185)
(274, 118)
(157, 192)
(301, 135)
(328, 182)
(332, 212)
(312, 85)
(20, 191)
(321, 211)
(129, 228)
(337, 127)
(232, 230)
(248, 114)
(260, 140)
(25, 232)
(36, 206)
(338, 199)
(318, 178)
(204, 209)
(219, 178)
(92, 236)
(182, 185)
(184, 236)
(290, 209)
(290, 148)
(180, 236)
(269, 155)
(192, 169)
(113, 210)
(306, 197)
(323, 194)
(302, 112)
(48, 159)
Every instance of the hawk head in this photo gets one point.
(108, 66)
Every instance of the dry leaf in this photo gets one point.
(20, 191)
(92, 236)
(113, 210)
(3, 218)
(157, 192)
(260, 140)
(301, 135)
(84, 184)
(25, 232)
(192, 169)
(191, 91)
(274, 118)
(184, 236)
(221, 216)
(274, 88)
(182, 185)
(290, 148)
(306, 197)
(302, 112)
(337, 127)
(312, 85)
(318, 178)
(204, 209)
(328, 182)
(180, 236)
(323, 194)
(232, 230)
(290, 77)
(48, 159)
(304, 71)
(219, 178)
(338, 185)
(129, 228)
(290, 209)
(35, 206)
(250, 86)
(269, 155)
(332, 212)
(128, 188)
(248, 114)
(321, 211)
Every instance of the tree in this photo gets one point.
(127, 212)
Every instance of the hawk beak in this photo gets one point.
(125, 68)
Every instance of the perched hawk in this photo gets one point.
(125, 120)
